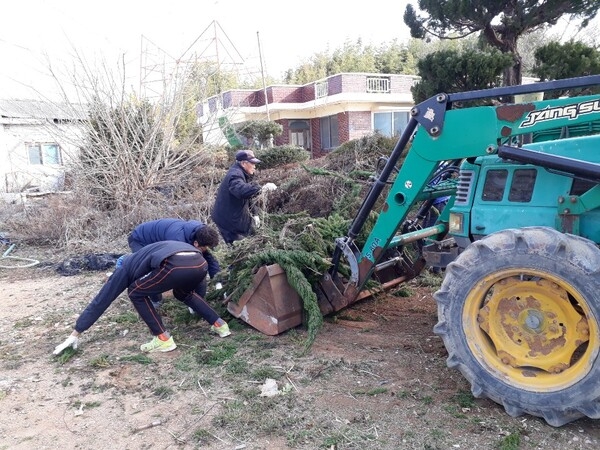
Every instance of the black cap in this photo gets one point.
(246, 155)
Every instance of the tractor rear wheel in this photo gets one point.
(519, 313)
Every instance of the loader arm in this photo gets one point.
(439, 133)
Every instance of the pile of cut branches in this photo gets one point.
(298, 245)
(314, 205)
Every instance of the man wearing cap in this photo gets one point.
(232, 212)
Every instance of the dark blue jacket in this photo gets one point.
(135, 266)
(171, 230)
(231, 210)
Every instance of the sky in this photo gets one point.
(36, 35)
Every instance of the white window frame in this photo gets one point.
(397, 121)
(44, 157)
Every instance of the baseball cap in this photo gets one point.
(246, 155)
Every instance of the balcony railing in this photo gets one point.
(321, 89)
(378, 84)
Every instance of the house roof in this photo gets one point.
(35, 109)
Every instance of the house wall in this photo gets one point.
(16, 173)
(359, 124)
(343, 127)
(315, 128)
(232, 99)
(284, 137)
(347, 96)
(212, 106)
(308, 92)
(285, 94)
(401, 84)
(335, 85)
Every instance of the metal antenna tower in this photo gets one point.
(159, 70)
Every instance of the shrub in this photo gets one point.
(279, 156)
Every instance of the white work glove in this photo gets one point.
(71, 341)
(256, 221)
(218, 286)
(269, 187)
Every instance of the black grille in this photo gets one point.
(463, 189)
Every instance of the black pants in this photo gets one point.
(182, 274)
(201, 289)
(433, 214)
(157, 298)
(230, 236)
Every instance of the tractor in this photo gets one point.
(517, 242)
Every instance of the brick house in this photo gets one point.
(318, 116)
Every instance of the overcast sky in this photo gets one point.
(34, 33)
(287, 32)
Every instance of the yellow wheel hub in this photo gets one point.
(533, 324)
(533, 330)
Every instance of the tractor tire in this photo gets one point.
(519, 312)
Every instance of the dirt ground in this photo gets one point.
(375, 378)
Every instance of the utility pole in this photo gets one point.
(262, 71)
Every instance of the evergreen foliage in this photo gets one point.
(392, 57)
(303, 244)
(500, 22)
(457, 71)
(555, 61)
(206, 78)
(257, 133)
(303, 268)
(281, 155)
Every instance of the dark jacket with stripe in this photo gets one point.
(231, 210)
(135, 266)
(171, 230)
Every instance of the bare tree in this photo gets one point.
(132, 159)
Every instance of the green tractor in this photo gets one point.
(519, 306)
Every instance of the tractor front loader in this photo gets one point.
(519, 306)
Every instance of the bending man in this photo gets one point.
(192, 232)
(153, 269)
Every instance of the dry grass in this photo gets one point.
(81, 220)
(380, 383)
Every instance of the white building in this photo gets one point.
(37, 140)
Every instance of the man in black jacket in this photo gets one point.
(153, 269)
(231, 211)
(193, 232)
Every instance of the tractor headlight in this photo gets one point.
(455, 223)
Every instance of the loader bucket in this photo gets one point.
(270, 305)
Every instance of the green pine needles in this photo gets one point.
(302, 243)
(301, 268)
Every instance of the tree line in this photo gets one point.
(462, 45)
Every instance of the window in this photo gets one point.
(46, 154)
(321, 89)
(329, 132)
(300, 133)
(521, 188)
(493, 188)
(390, 123)
(580, 186)
(297, 138)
